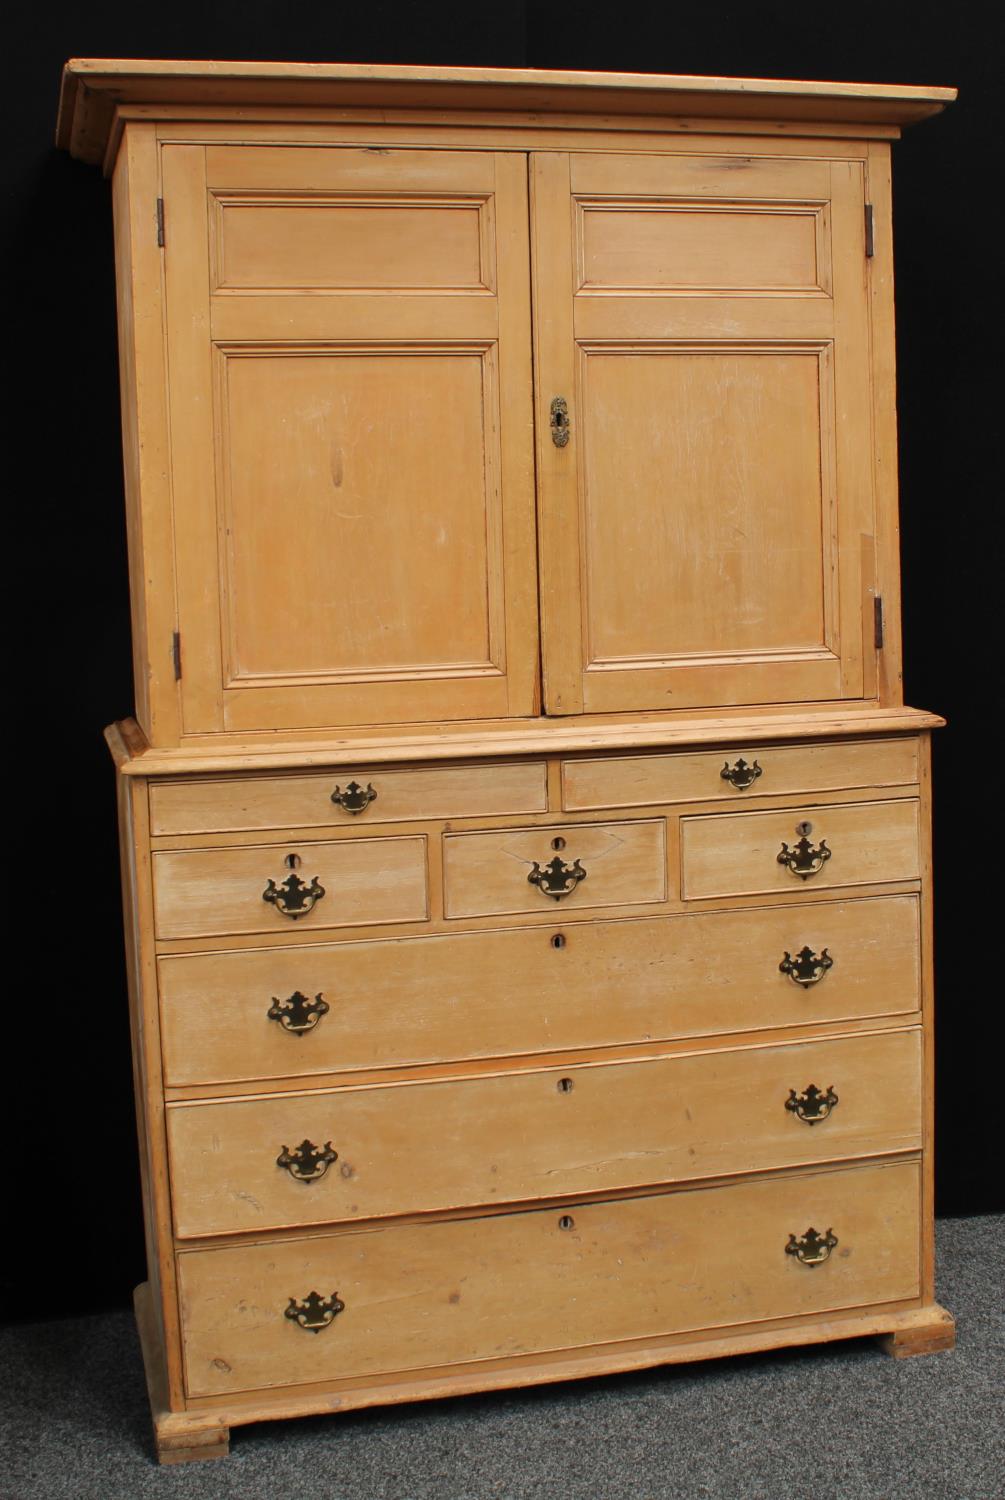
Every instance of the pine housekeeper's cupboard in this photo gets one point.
(525, 842)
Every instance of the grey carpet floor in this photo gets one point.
(838, 1422)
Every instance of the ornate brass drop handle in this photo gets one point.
(355, 798)
(812, 1105)
(803, 860)
(806, 968)
(293, 897)
(307, 1162)
(297, 1014)
(557, 878)
(741, 775)
(811, 1249)
(314, 1312)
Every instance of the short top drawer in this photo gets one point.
(333, 798)
(279, 888)
(532, 869)
(800, 849)
(707, 775)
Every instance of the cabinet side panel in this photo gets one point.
(147, 1078)
(884, 406)
(142, 381)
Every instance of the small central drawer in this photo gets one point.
(358, 1153)
(542, 869)
(333, 798)
(413, 1296)
(286, 888)
(742, 772)
(800, 849)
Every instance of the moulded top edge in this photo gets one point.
(93, 87)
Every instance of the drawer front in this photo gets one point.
(708, 775)
(360, 1153)
(317, 1008)
(737, 854)
(201, 892)
(487, 874)
(422, 1295)
(344, 797)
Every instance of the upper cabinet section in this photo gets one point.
(348, 339)
(708, 521)
(473, 396)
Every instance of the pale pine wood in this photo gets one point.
(642, 780)
(521, 1283)
(92, 87)
(177, 1438)
(931, 1334)
(546, 1133)
(748, 586)
(503, 993)
(869, 842)
(735, 732)
(353, 415)
(306, 801)
(486, 873)
(220, 890)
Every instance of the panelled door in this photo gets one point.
(349, 355)
(706, 503)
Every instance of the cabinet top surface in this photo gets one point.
(93, 88)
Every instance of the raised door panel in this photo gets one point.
(349, 352)
(705, 519)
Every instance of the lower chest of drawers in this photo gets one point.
(476, 1064)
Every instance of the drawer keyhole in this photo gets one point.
(558, 941)
(566, 1222)
(292, 861)
(558, 843)
(565, 1085)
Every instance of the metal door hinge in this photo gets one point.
(160, 221)
(877, 616)
(870, 239)
(176, 655)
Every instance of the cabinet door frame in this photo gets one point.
(832, 324)
(198, 344)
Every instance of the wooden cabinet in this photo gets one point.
(525, 842)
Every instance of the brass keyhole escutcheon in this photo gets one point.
(292, 861)
(558, 843)
(566, 1222)
(804, 829)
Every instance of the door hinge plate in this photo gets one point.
(176, 655)
(870, 235)
(160, 221)
(877, 617)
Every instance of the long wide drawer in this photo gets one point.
(288, 1160)
(406, 1297)
(279, 887)
(320, 1007)
(333, 798)
(802, 849)
(534, 869)
(707, 775)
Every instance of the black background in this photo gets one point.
(73, 1239)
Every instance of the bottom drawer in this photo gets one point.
(414, 1296)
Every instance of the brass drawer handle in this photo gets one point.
(294, 897)
(557, 878)
(297, 1014)
(314, 1312)
(804, 860)
(811, 1105)
(811, 1249)
(806, 968)
(355, 798)
(740, 775)
(307, 1162)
